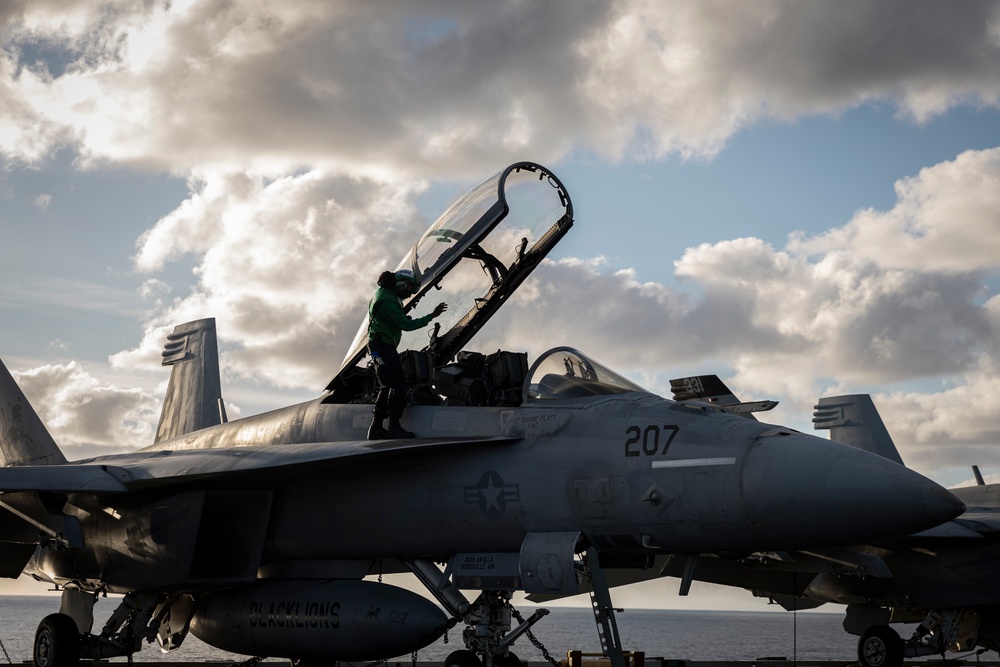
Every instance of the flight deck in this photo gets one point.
(649, 662)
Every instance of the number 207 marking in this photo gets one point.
(646, 441)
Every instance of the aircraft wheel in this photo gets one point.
(463, 658)
(880, 646)
(57, 642)
(509, 660)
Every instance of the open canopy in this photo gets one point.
(475, 255)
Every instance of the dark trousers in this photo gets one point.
(391, 398)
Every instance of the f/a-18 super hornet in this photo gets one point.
(944, 580)
(262, 536)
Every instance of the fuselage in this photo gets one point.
(633, 473)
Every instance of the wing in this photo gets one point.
(976, 524)
(127, 473)
(63, 479)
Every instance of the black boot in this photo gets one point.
(376, 431)
(396, 430)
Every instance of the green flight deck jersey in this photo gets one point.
(386, 319)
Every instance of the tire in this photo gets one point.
(463, 658)
(880, 646)
(509, 660)
(57, 642)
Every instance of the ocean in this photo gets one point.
(687, 635)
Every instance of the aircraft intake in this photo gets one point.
(318, 620)
(826, 493)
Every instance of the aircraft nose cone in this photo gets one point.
(803, 491)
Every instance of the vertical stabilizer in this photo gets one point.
(854, 420)
(194, 394)
(23, 437)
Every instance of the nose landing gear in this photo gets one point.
(488, 634)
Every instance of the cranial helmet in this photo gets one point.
(406, 278)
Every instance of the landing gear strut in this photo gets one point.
(942, 630)
(59, 641)
(488, 634)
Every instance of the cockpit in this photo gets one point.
(504, 379)
(564, 373)
(473, 258)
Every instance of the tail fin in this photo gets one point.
(194, 394)
(854, 420)
(23, 437)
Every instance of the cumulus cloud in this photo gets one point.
(449, 88)
(769, 312)
(88, 417)
(946, 219)
(285, 266)
(154, 287)
(958, 426)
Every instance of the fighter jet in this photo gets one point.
(945, 580)
(266, 536)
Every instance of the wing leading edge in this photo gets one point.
(129, 473)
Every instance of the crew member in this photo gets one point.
(386, 324)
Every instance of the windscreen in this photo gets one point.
(567, 373)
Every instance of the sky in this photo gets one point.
(803, 198)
